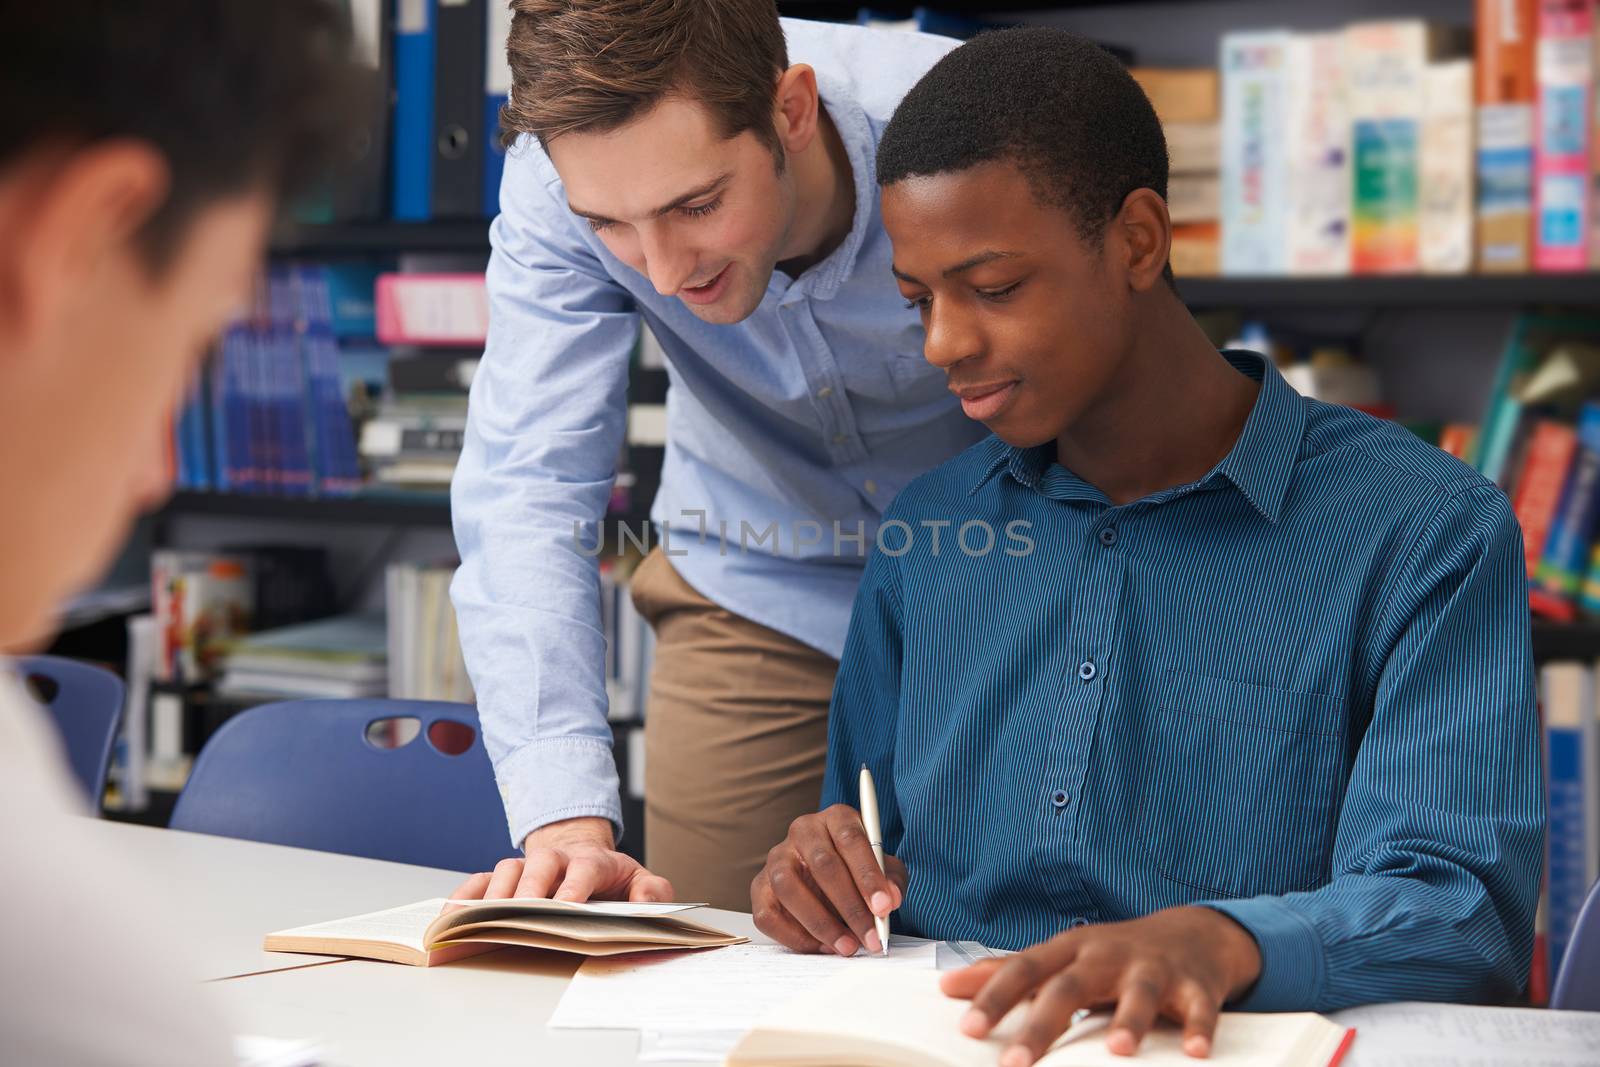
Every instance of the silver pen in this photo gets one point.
(869, 819)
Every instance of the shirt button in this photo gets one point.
(1059, 798)
(839, 438)
(871, 486)
(1086, 671)
(825, 392)
(1077, 921)
(1108, 536)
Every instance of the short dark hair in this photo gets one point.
(1055, 104)
(238, 95)
(582, 65)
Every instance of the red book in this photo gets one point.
(1551, 449)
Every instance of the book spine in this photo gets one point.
(217, 392)
(1561, 570)
(496, 90)
(458, 108)
(1507, 89)
(1254, 154)
(1538, 490)
(1445, 196)
(1561, 157)
(1319, 155)
(411, 169)
(1594, 147)
(1386, 65)
(1568, 700)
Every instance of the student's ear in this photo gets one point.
(795, 107)
(1141, 234)
(62, 218)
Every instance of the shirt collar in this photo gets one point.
(823, 280)
(1260, 464)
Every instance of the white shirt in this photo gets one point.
(91, 956)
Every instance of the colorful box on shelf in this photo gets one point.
(432, 309)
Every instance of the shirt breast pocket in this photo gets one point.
(1240, 785)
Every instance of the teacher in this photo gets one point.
(706, 168)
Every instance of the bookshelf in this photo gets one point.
(412, 509)
(466, 236)
(1388, 291)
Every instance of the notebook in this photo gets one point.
(420, 935)
(901, 1019)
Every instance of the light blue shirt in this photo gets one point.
(791, 431)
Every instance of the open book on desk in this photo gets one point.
(902, 1019)
(423, 936)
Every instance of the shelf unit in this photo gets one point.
(419, 509)
(1581, 289)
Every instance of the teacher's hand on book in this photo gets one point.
(576, 860)
(1180, 963)
(822, 887)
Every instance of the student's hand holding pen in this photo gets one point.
(821, 887)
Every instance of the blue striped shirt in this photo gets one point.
(1298, 690)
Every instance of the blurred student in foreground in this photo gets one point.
(144, 145)
(1249, 720)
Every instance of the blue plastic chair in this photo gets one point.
(1577, 987)
(303, 773)
(86, 704)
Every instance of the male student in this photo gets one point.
(704, 168)
(143, 144)
(1249, 720)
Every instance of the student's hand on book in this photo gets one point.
(1181, 963)
(821, 886)
(576, 860)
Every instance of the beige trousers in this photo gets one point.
(736, 733)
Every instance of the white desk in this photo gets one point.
(233, 893)
(477, 1012)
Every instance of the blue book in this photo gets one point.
(496, 90)
(333, 456)
(1566, 551)
(192, 468)
(923, 20)
(231, 412)
(286, 390)
(412, 167)
(1573, 828)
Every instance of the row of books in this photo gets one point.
(430, 149)
(1540, 441)
(268, 413)
(1571, 728)
(1389, 147)
(424, 643)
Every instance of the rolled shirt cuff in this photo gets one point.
(546, 781)
(1293, 964)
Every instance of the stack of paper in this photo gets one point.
(693, 1008)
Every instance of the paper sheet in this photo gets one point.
(1461, 1035)
(254, 1051)
(717, 989)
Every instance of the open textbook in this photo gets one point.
(420, 935)
(901, 1019)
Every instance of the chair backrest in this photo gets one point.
(86, 704)
(303, 773)
(1577, 987)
